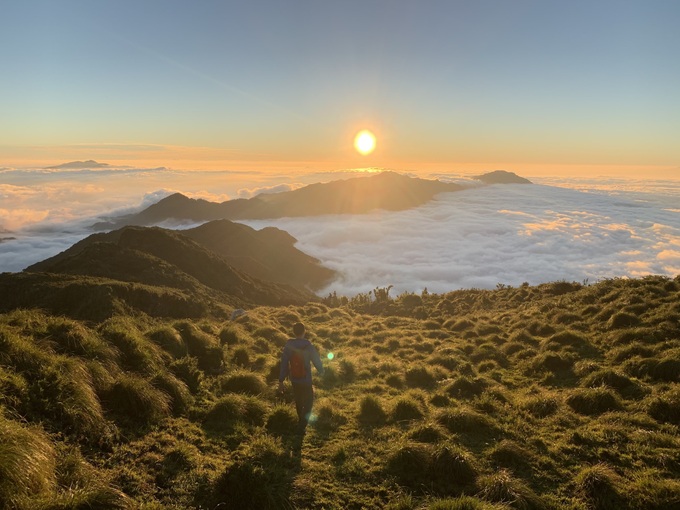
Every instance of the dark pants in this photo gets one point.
(304, 398)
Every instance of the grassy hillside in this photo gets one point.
(556, 396)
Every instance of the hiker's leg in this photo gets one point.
(308, 401)
(299, 394)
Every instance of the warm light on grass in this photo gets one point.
(364, 142)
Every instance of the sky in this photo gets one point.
(268, 87)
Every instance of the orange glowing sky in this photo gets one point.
(553, 88)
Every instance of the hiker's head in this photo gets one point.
(299, 329)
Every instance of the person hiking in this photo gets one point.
(296, 357)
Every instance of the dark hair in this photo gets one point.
(299, 329)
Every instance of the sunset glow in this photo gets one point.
(364, 142)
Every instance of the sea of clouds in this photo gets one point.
(557, 229)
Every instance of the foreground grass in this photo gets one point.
(557, 396)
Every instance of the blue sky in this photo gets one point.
(211, 84)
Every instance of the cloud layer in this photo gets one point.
(498, 234)
(478, 237)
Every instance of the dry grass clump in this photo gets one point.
(169, 339)
(445, 469)
(467, 421)
(625, 386)
(407, 409)
(137, 353)
(600, 488)
(502, 487)
(186, 370)
(282, 420)
(180, 396)
(371, 412)
(70, 337)
(135, 402)
(593, 401)
(665, 406)
(230, 409)
(327, 418)
(420, 377)
(27, 463)
(243, 381)
(201, 345)
(541, 406)
(466, 387)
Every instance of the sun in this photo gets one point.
(364, 142)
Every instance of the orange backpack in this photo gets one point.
(297, 363)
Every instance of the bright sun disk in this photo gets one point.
(364, 142)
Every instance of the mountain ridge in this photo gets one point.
(387, 190)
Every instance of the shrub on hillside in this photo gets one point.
(135, 402)
(427, 433)
(552, 362)
(467, 421)
(593, 401)
(622, 320)
(502, 487)
(178, 391)
(234, 408)
(241, 357)
(541, 406)
(451, 468)
(406, 409)
(13, 391)
(243, 381)
(371, 412)
(665, 407)
(600, 487)
(511, 455)
(666, 369)
(463, 503)
(231, 335)
(615, 380)
(410, 465)
(186, 370)
(137, 353)
(282, 420)
(420, 377)
(328, 418)
(247, 484)
(169, 340)
(466, 387)
(63, 393)
(71, 337)
(27, 463)
(201, 345)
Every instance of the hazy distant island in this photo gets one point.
(76, 165)
(390, 191)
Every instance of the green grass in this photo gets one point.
(548, 397)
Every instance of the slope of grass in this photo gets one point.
(548, 397)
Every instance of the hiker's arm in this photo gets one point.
(317, 361)
(283, 372)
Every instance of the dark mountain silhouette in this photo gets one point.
(502, 177)
(167, 259)
(387, 190)
(78, 165)
(267, 254)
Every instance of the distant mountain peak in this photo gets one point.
(74, 165)
(502, 177)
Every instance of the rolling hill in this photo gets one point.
(561, 396)
(164, 259)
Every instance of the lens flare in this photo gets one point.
(364, 142)
(330, 355)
